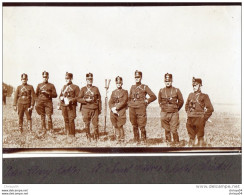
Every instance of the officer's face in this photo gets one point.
(89, 81)
(119, 85)
(45, 79)
(138, 79)
(68, 80)
(196, 87)
(24, 81)
(168, 83)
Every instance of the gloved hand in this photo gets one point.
(30, 109)
(114, 110)
(146, 102)
(88, 100)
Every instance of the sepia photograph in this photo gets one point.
(166, 77)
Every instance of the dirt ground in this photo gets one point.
(223, 131)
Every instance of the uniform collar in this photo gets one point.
(138, 84)
(70, 83)
(197, 92)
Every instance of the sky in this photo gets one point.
(199, 41)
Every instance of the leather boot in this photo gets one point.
(191, 143)
(168, 136)
(122, 134)
(96, 134)
(72, 128)
(29, 125)
(21, 128)
(50, 125)
(176, 137)
(88, 134)
(143, 135)
(136, 134)
(44, 126)
(66, 128)
(200, 142)
(117, 133)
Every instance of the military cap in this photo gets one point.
(45, 74)
(168, 77)
(89, 75)
(24, 76)
(196, 81)
(68, 75)
(138, 73)
(118, 79)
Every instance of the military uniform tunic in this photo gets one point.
(90, 110)
(171, 101)
(137, 105)
(118, 99)
(199, 108)
(24, 98)
(71, 92)
(45, 92)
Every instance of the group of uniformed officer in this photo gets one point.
(198, 107)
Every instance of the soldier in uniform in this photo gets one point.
(90, 98)
(45, 91)
(170, 100)
(24, 99)
(118, 105)
(5, 93)
(137, 106)
(68, 103)
(199, 109)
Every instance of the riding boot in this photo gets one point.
(88, 134)
(21, 128)
(168, 136)
(72, 128)
(122, 133)
(117, 133)
(200, 142)
(143, 134)
(44, 126)
(191, 142)
(29, 125)
(96, 134)
(66, 128)
(176, 138)
(136, 134)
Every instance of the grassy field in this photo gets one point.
(223, 131)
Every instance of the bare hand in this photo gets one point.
(15, 108)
